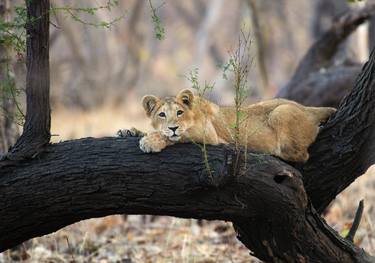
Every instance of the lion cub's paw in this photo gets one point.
(153, 142)
(133, 132)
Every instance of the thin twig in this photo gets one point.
(356, 221)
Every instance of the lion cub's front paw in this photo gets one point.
(153, 142)
(133, 132)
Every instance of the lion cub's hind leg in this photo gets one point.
(295, 131)
(132, 132)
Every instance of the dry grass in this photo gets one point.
(111, 239)
(166, 239)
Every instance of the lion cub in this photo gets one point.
(279, 127)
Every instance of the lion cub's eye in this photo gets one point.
(162, 114)
(179, 112)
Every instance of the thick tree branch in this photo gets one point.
(326, 87)
(321, 53)
(345, 147)
(89, 178)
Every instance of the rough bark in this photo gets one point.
(320, 58)
(345, 147)
(89, 178)
(36, 132)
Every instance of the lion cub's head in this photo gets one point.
(171, 115)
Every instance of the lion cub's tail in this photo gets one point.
(321, 114)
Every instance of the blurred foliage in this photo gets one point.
(201, 90)
(13, 33)
(9, 91)
(76, 12)
(158, 27)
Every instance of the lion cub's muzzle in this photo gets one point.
(173, 133)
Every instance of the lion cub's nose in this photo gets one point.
(173, 128)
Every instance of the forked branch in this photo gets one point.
(90, 178)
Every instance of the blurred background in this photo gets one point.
(99, 74)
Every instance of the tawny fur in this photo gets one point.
(279, 127)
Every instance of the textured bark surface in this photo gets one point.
(37, 124)
(89, 178)
(345, 147)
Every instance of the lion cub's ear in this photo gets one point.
(149, 103)
(186, 97)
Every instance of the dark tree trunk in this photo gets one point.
(89, 178)
(36, 134)
(350, 137)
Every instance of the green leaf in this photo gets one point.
(104, 24)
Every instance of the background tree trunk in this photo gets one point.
(325, 11)
(259, 42)
(319, 63)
